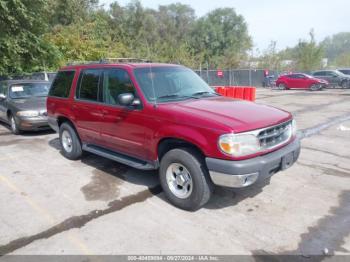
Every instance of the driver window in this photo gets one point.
(116, 82)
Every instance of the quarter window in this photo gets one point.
(62, 84)
(89, 85)
(116, 82)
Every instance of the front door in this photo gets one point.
(122, 129)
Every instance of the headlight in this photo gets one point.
(294, 127)
(239, 144)
(28, 113)
(249, 143)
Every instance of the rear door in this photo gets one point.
(87, 107)
(122, 129)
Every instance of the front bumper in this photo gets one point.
(33, 124)
(243, 173)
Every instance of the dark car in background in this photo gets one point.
(302, 81)
(334, 77)
(23, 104)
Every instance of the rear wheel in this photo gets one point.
(70, 142)
(282, 86)
(14, 126)
(184, 178)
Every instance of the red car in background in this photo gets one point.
(302, 81)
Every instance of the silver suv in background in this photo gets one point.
(345, 71)
(334, 77)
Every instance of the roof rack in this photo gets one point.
(110, 61)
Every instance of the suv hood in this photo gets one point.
(32, 103)
(238, 115)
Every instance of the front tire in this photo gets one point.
(184, 178)
(314, 87)
(70, 142)
(344, 84)
(14, 126)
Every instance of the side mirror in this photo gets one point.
(128, 99)
(2, 97)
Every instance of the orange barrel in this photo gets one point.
(239, 92)
(230, 91)
(253, 94)
(221, 90)
(247, 93)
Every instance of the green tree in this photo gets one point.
(337, 48)
(309, 54)
(221, 37)
(22, 48)
(67, 12)
(271, 58)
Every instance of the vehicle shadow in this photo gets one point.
(227, 197)
(48, 131)
(221, 198)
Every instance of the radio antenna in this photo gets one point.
(151, 75)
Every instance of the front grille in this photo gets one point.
(274, 136)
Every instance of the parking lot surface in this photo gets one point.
(50, 205)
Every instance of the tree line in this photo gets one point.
(46, 34)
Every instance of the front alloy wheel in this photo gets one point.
(185, 179)
(179, 180)
(14, 127)
(314, 87)
(67, 142)
(70, 142)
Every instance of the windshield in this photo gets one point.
(29, 90)
(308, 76)
(340, 73)
(171, 83)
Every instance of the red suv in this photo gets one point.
(302, 81)
(160, 116)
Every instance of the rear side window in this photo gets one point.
(319, 74)
(62, 84)
(89, 85)
(3, 89)
(116, 82)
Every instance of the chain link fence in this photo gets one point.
(235, 77)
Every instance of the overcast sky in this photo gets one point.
(284, 21)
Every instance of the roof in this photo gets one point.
(125, 65)
(24, 81)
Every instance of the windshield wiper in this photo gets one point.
(203, 93)
(176, 96)
(169, 96)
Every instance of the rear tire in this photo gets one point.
(185, 179)
(14, 126)
(282, 87)
(70, 142)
